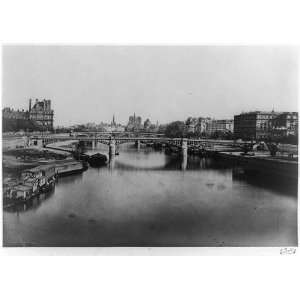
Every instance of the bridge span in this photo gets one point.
(265, 163)
(113, 141)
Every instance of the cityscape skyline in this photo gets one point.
(143, 119)
(150, 146)
(161, 83)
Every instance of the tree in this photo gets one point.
(273, 149)
(175, 129)
(188, 121)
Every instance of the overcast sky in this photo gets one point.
(91, 83)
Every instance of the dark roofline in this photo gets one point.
(266, 112)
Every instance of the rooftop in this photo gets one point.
(268, 112)
(40, 168)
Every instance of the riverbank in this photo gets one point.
(25, 171)
(18, 159)
(29, 183)
(263, 163)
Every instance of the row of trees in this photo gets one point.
(178, 129)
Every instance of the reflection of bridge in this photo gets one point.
(181, 143)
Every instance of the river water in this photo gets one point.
(147, 198)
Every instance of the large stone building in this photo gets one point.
(147, 124)
(262, 125)
(253, 125)
(114, 127)
(39, 117)
(41, 113)
(197, 125)
(134, 123)
(285, 124)
(201, 126)
(190, 124)
(10, 113)
(224, 126)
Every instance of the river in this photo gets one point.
(147, 198)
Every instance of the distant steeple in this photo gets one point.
(113, 120)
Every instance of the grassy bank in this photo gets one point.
(17, 160)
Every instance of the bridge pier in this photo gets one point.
(111, 163)
(138, 144)
(94, 144)
(184, 147)
(112, 149)
(183, 162)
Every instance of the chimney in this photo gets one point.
(30, 104)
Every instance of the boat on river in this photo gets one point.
(70, 167)
(97, 160)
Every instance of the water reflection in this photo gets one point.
(183, 162)
(148, 160)
(31, 204)
(147, 198)
(277, 184)
(111, 163)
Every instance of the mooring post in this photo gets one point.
(138, 144)
(94, 143)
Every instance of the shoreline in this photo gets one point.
(18, 188)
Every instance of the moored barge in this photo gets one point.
(97, 160)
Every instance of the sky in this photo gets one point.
(163, 83)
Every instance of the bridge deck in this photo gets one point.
(207, 143)
(146, 139)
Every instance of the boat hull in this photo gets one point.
(97, 160)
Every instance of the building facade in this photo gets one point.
(202, 124)
(41, 113)
(147, 124)
(197, 125)
(224, 126)
(38, 117)
(190, 125)
(10, 113)
(254, 125)
(134, 123)
(285, 124)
